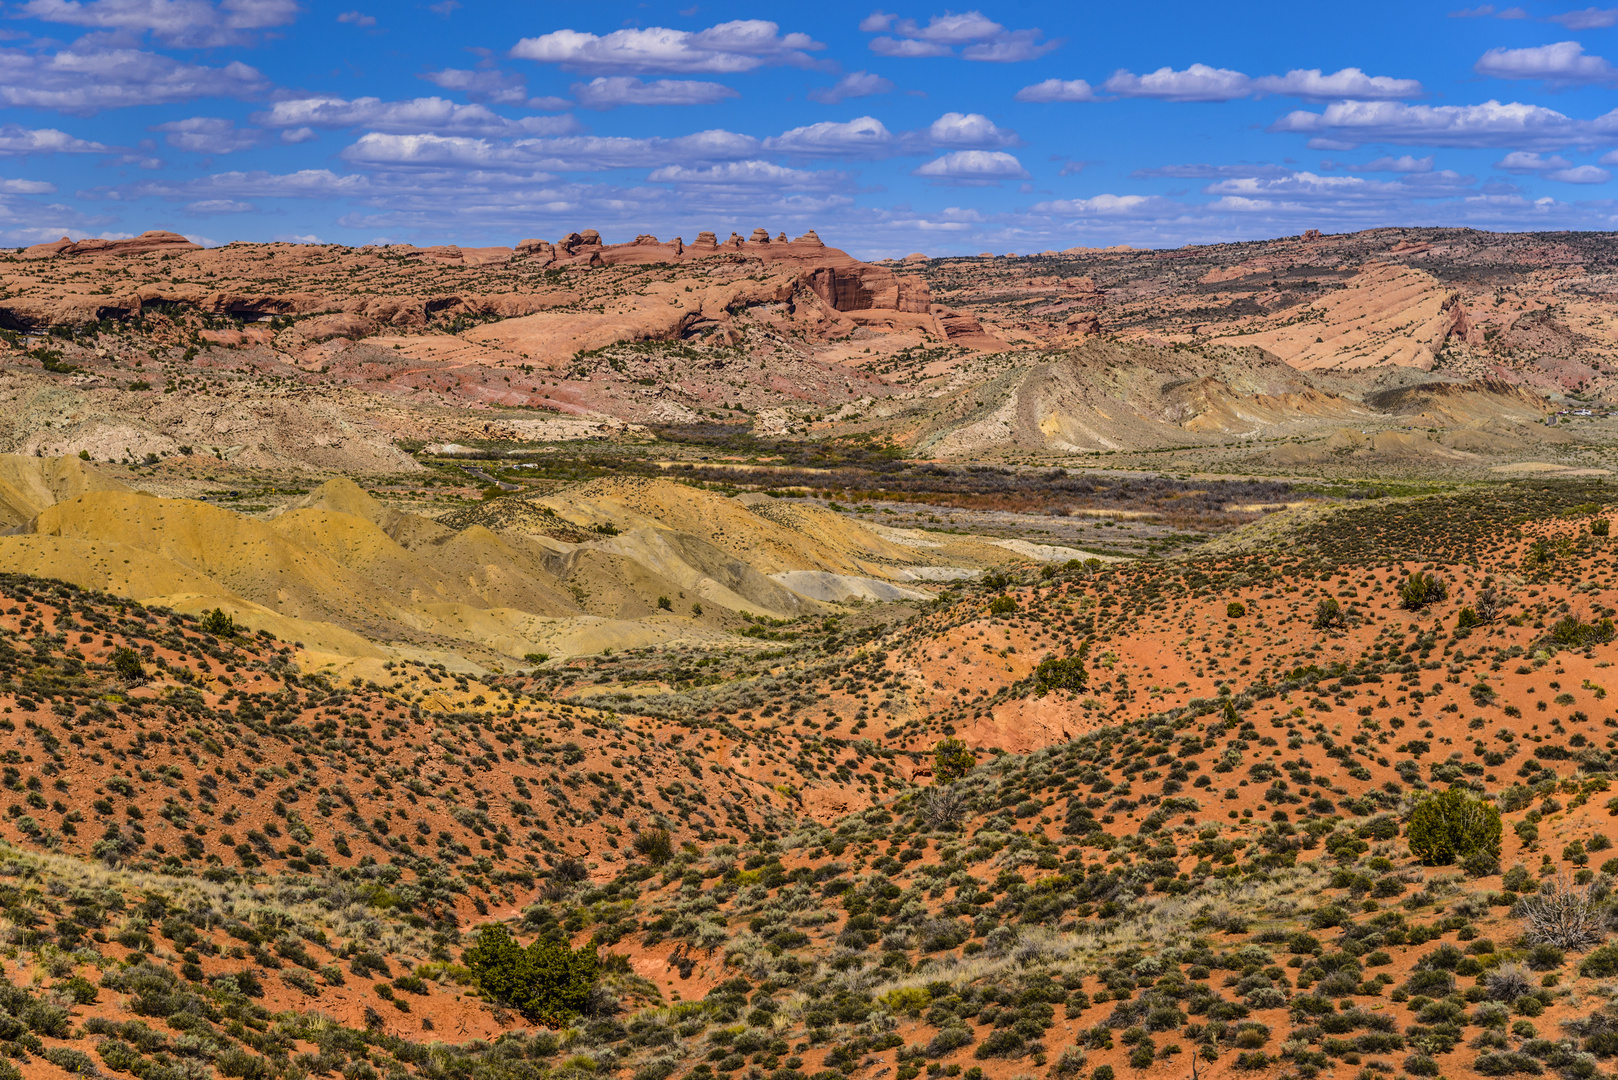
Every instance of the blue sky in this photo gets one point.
(1013, 126)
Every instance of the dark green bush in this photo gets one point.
(654, 844)
(1453, 825)
(219, 624)
(1574, 632)
(547, 982)
(1062, 673)
(1420, 589)
(1235, 609)
(952, 760)
(1601, 963)
(126, 663)
(1329, 615)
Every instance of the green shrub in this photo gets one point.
(1002, 605)
(1600, 527)
(1062, 673)
(547, 982)
(1329, 615)
(81, 990)
(654, 844)
(1466, 620)
(952, 760)
(1574, 632)
(219, 624)
(1235, 609)
(1420, 590)
(1453, 826)
(126, 663)
(1601, 963)
(70, 1060)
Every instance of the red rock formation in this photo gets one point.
(153, 240)
(840, 280)
(1459, 324)
(1084, 323)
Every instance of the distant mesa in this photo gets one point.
(848, 293)
(1114, 249)
(153, 240)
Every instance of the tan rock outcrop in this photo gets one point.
(1084, 323)
(152, 240)
(343, 325)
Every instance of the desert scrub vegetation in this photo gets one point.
(1421, 590)
(1455, 826)
(547, 982)
(1227, 875)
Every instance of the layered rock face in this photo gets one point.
(152, 240)
(842, 282)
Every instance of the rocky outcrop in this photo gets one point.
(842, 283)
(1083, 323)
(153, 240)
(343, 325)
(1456, 322)
(489, 256)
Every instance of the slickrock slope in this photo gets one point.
(1541, 309)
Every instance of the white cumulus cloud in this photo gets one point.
(415, 115)
(1561, 64)
(1111, 206)
(207, 135)
(88, 81)
(209, 207)
(978, 37)
(1347, 124)
(740, 45)
(1580, 174)
(572, 154)
(1200, 82)
(1522, 161)
(1057, 90)
(16, 139)
(973, 167)
(969, 130)
(864, 136)
(184, 23)
(611, 91)
(749, 174)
